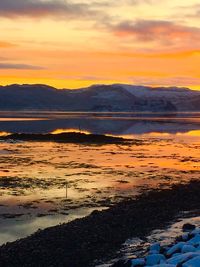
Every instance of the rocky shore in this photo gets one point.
(83, 242)
(185, 252)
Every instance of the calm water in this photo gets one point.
(43, 184)
(101, 123)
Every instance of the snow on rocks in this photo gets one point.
(195, 262)
(185, 237)
(195, 241)
(137, 262)
(154, 259)
(188, 248)
(154, 248)
(182, 258)
(185, 252)
(176, 248)
(195, 231)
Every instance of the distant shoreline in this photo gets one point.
(71, 137)
(99, 98)
(81, 242)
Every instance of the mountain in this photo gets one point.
(116, 97)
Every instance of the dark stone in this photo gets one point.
(187, 227)
(122, 263)
(71, 137)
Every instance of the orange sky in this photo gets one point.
(71, 44)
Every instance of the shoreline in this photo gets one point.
(70, 137)
(184, 251)
(99, 235)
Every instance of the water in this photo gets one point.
(33, 175)
(101, 123)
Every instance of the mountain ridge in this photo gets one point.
(97, 98)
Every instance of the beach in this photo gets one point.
(84, 242)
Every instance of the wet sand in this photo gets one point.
(83, 242)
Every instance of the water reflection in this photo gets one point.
(108, 123)
(12, 230)
(33, 176)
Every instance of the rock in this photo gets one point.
(152, 252)
(195, 231)
(195, 241)
(138, 262)
(181, 254)
(163, 265)
(151, 260)
(195, 262)
(197, 248)
(188, 248)
(185, 237)
(176, 254)
(122, 263)
(182, 258)
(188, 227)
(176, 248)
(155, 247)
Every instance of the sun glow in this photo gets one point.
(79, 45)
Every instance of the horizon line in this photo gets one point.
(106, 84)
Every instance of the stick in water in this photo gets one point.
(66, 189)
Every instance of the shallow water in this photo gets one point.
(45, 183)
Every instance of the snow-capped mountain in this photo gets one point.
(184, 99)
(116, 97)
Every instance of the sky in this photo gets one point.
(73, 44)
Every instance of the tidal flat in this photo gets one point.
(46, 183)
(93, 239)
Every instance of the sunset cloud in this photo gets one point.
(138, 2)
(19, 66)
(165, 32)
(80, 42)
(40, 8)
(191, 11)
(167, 81)
(5, 44)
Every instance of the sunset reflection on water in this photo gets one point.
(33, 175)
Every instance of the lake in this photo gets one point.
(45, 183)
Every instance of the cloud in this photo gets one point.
(6, 44)
(40, 8)
(19, 66)
(190, 11)
(3, 58)
(165, 81)
(123, 2)
(138, 2)
(165, 32)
